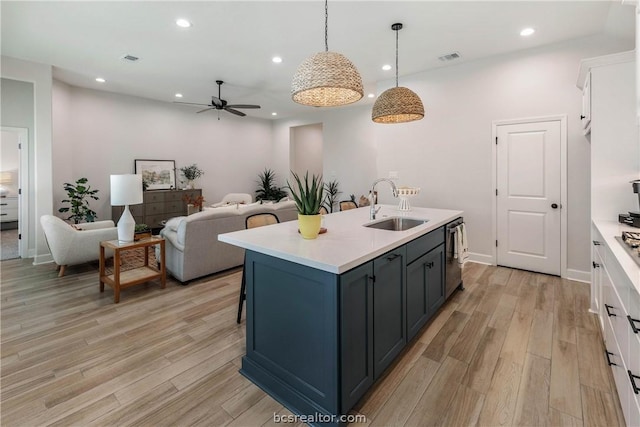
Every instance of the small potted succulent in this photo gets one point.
(308, 197)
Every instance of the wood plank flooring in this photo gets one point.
(514, 348)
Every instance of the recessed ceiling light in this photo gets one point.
(276, 59)
(178, 95)
(371, 95)
(274, 114)
(100, 80)
(183, 23)
(386, 67)
(527, 32)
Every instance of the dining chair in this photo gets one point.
(253, 221)
(345, 205)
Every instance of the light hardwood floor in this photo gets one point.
(514, 348)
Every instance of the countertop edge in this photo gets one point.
(403, 238)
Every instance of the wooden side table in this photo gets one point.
(123, 279)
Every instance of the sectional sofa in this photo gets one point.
(192, 248)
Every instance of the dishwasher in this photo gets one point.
(453, 271)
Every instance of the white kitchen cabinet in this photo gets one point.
(617, 278)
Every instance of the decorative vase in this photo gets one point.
(191, 185)
(191, 209)
(309, 225)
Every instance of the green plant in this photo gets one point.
(140, 228)
(191, 172)
(309, 195)
(331, 188)
(78, 197)
(267, 189)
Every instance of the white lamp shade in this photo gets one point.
(126, 189)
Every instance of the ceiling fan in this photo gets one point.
(217, 103)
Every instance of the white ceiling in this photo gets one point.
(234, 41)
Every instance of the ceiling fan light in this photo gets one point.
(326, 79)
(397, 105)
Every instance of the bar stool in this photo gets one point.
(253, 221)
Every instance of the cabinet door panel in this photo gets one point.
(356, 333)
(416, 296)
(435, 280)
(389, 321)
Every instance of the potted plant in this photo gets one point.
(331, 188)
(78, 198)
(141, 231)
(191, 173)
(267, 189)
(308, 198)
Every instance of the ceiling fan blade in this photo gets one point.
(236, 112)
(206, 109)
(191, 103)
(243, 106)
(217, 101)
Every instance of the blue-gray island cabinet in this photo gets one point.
(321, 332)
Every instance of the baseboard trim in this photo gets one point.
(481, 258)
(578, 275)
(42, 259)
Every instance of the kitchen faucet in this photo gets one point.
(373, 211)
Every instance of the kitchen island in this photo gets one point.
(326, 317)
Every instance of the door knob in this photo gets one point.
(582, 117)
(554, 205)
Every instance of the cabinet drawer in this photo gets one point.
(153, 209)
(8, 203)
(153, 196)
(174, 196)
(8, 214)
(175, 207)
(423, 244)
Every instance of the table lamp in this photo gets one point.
(5, 178)
(126, 190)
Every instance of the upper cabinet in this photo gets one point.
(609, 84)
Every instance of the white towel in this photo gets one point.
(461, 247)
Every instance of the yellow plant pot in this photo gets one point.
(309, 225)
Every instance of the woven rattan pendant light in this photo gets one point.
(398, 104)
(326, 79)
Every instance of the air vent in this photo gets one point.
(130, 58)
(449, 57)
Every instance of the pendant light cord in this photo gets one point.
(397, 58)
(326, 25)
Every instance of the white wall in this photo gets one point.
(40, 186)
(349, 152)
(101, 133)
(448, 153)
(306, 150)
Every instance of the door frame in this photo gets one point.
(562, 118)
(23, 185)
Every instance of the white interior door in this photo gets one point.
(528, 196)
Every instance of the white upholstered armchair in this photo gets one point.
(70, 246)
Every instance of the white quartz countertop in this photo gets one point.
(346, 244)
(609, 230)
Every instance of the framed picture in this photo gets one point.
(158, 174)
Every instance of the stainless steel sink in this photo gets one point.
(396, 223)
